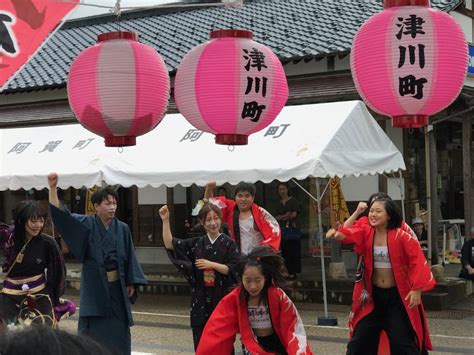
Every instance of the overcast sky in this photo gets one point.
(84, 11)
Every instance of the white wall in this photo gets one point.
(157, 196)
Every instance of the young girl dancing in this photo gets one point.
(258, 309)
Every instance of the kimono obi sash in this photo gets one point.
(113, 275)
(24, 285)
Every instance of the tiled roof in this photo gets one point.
(293, 29)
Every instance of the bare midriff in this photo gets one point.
(383, 278)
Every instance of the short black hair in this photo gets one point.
(245, 187)
(37, 339)
(393, 211)
(24, 211)
(103, 194)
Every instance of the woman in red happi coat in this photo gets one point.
(392, 274)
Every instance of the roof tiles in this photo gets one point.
(293, 29)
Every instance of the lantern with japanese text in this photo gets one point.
(119, 88)
(230, 86)
(409, 62)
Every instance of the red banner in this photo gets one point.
(24, 25)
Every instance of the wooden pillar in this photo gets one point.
(467, 171)
(135, 217)
(170, 203)
(434, 202)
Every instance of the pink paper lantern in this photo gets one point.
(119, 88)
(230, 86)
(409, 62)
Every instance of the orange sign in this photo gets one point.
(90, 209)
(339, 211)
(24, 25)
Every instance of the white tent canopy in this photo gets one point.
(319, 140)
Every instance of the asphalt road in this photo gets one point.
(162, 327)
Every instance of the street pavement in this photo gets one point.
(162, 326)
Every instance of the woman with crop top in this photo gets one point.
(259, 310)
(387, 293)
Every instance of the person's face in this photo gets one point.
(106, 209)
(283, 191)
(244, 200)
(378, 216)
(212, 223)
(418, 228)
(253, 280)
(34, 226)
(221, 192)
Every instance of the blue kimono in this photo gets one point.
(105, 312)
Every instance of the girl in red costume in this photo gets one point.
(391, 277)
(259, 310)
(360, 214)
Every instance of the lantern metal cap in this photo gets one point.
(232, 139)
(120, 141)
(231, 33)
(117, 35)
(410, 121)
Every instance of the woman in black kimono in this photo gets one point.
(34, 269)
(287, 216)
(208, 263)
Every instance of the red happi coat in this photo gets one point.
(410, 270)
(230, 317)
(265, 222)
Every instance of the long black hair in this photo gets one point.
(24, 211)
(393, 211)
(372, 198)
(270, 264)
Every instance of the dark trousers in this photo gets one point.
(272, 343)
(197, 332)
(291, 252)
(390, 315)
(465, 275)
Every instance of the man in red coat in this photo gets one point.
(250, 225)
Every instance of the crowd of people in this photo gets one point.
(238, 278)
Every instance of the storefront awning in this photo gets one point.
(320, 140)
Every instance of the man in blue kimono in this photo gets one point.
(110, 269)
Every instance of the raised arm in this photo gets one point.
(53, 189)
(167, 236)
(361, 207)
(209, 191)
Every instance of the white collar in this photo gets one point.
(210, 239)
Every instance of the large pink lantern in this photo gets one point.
(409, 62)
(230, 86)
(119, 88)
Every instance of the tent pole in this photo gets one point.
(402, 194)
(321, 247)
(326, 320)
